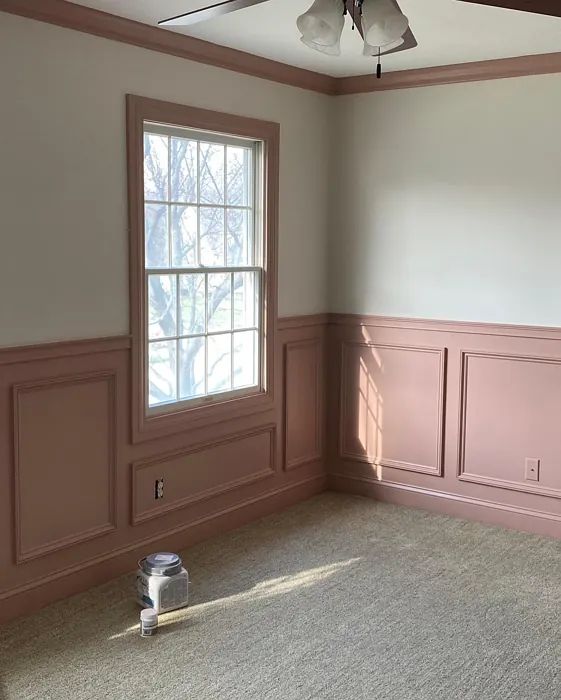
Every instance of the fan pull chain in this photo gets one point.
(379, 66)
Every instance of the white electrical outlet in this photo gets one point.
(532, 469)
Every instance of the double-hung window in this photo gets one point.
(202, 230)
(203, 270)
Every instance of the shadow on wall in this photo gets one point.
(363, 429)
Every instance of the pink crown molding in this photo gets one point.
(103, 24)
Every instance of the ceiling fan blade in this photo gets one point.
(204, 13)
(540, 7)
(409, 42)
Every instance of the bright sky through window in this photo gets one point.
(203, 264)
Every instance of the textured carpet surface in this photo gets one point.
(338, 597)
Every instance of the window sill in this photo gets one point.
(177, 418)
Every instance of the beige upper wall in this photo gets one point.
(64, 261)
(444, 202)
(449, 202)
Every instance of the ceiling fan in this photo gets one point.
(381, 23)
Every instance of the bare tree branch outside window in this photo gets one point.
(199, 215)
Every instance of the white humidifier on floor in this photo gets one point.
(162, 583)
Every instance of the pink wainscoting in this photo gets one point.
(377, 382)
(445, 415)
(197, 473)
(79, 507)
(63, 444)
(525, 393)
(435, 414)
(303, 401)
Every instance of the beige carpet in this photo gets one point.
(338, 597)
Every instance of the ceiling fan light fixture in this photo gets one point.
(382, 22)
(322, 24)
(334, 50)
(375, 50)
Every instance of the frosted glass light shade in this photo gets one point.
(323, 23)
(373, 50)
(334, 50)
(382, 22)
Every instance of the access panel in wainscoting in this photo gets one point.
(199, 473)
(64, 462)
(511, 413)
(392, 405)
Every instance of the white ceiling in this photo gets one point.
(448, 31)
